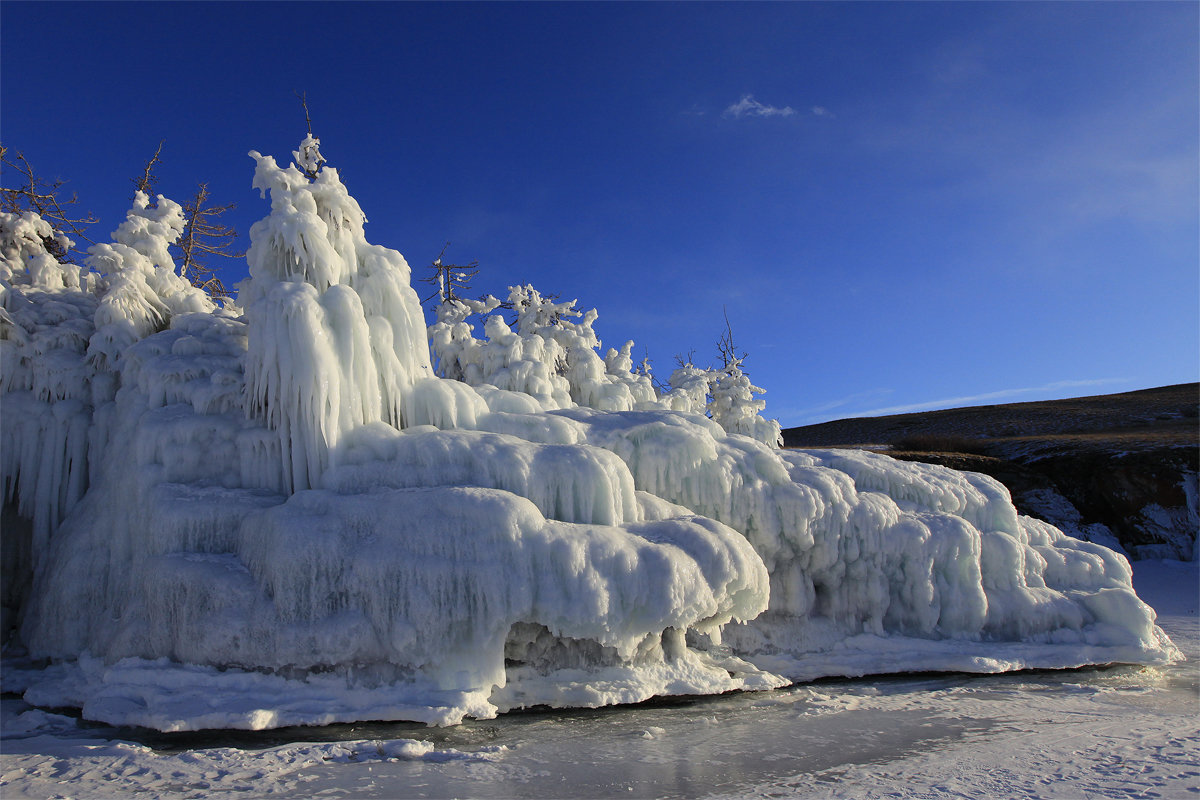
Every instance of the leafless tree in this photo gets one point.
(204, 235)
(452, 280)
(47, 199)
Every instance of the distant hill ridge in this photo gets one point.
(1166, 408)
(1120, 469)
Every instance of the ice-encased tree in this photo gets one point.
(688, 389)
(455, 349)
(336, 336)
(25, 257)
(62, 335)
(735, 408)
(46, 311)
(557, 362)
(47, 201)
(543, 354)
(144, 289)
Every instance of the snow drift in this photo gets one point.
(284, 512)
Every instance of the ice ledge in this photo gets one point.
(171, 697)
(868, 654)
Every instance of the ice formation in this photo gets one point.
(285, 512)
(557, 362)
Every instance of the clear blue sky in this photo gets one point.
(920, 205)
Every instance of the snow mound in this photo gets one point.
(281, 513)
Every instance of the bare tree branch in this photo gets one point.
(204, 235)
(452, 280)
(686, 361)
(304, 102)
(725, 347)
(146, 182)
(36, 195)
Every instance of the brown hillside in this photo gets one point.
(1119, 465)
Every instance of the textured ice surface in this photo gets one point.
(1105, 732)
(276, 513)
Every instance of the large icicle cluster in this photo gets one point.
(275, 514)
(63, 331)
(336, 336)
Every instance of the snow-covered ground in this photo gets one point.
(1098, 732)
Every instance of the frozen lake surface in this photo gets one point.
(1100, 732)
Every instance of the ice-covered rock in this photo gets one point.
(283, 516)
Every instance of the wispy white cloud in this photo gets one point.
(988, 397)
(749, 107)
(822, 111)
(826, 411)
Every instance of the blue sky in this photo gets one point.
(900, 206)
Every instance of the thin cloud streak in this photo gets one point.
(820, 413)
(749, 107)
(985, 398)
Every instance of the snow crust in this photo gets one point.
(279, 512)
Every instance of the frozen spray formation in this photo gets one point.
(282, 512)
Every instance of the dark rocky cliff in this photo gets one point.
(1118, 468)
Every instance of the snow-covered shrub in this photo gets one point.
(144, 289)
(24, 259)
(543, 354)
(557, 362)
(735, 408)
